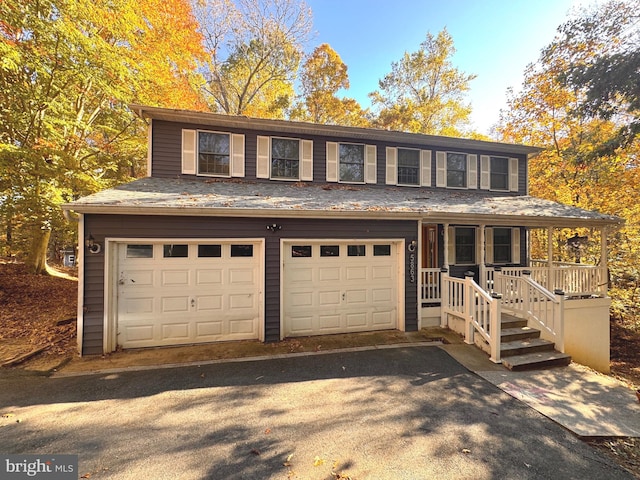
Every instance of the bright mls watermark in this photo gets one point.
(51, 467)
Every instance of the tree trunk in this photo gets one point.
(37, 258)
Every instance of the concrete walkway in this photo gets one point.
(583, 401)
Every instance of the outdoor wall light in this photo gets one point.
(274, 227)
(92, 245)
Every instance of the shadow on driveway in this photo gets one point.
(410, 412)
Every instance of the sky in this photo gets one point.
(494, 39)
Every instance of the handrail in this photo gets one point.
(524, 296)
(573, 279)
(467, 300)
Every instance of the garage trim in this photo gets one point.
(400, 265)
(111, 279)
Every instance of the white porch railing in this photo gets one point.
(430, 286)
(523, 296)
(573, 279)
(465, 299)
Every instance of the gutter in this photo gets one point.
(240, 213)
(434, 217)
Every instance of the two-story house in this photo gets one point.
(263, 229)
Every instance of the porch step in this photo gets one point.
(522, 347)
(518, 333)
(537, 360)
(509, 321)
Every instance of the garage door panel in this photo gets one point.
(241, 276)
(209, 302)
(329, 274)
(175, 332)
(171, 300)
(340, 293)
(356, 320)
(139, 278)
(381, 273)
(241, 301)
(329, 322)
(138, 305)
(384, 318)
(175, 278)
(301, 325)
(353, 297)
(329, 298)
(140, 333)
(381, 295)
(174, 304)
(208, 329)
(301, 274)
(242, 326)
(301, 299)
(356, 273)
(209, 276)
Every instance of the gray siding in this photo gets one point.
(167, 142)
(101, 226)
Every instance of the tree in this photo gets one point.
(253, 51)
(424, 92)
(68, 70)
(605, 46)
(323, 75)
(573, 168)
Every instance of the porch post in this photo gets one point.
(446, 246)
(550, 274)
(603, 281)
(483, 253)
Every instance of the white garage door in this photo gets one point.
(339, 287)
(187, 292)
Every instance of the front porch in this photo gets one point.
(543, 311)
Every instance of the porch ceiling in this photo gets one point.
(234, 197)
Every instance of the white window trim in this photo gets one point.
(369, 163)
(419, 184)
(264, 159)
(452, 246)
(512, 175)
(515, 246)
(471, 170)
(190, 155)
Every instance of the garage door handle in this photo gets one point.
(193, 302)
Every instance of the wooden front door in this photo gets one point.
(429, 246)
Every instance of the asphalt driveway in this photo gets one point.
(398, 413)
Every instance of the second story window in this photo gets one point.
(408, 167)
(214, 150)
(499, 168)
(212, 153)
(457, 170)
(501, 174)
(285, 158)
(351, 163)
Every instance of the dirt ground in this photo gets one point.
(38, 332)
